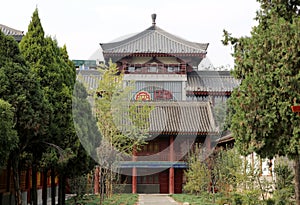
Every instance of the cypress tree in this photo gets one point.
(56, 73)
(19, 87)
(268, 63)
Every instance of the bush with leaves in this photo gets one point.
(198, 174)
(283, 183)
(78, 186)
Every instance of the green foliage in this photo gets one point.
(198, 174)
(78, 186)
(247, 198)
(58, 147)
(9, 138)
(84, 121)
(221, 171)
(56, 74)
(283, 182)
(33, 44)
(226, 170)
(19, 87)
(124, 124)
(268, 64)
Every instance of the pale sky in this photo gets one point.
(83, 24)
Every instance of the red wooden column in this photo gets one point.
(134, 174)
(134, 180)
(96, 182)
(207, 146)
(171, 170)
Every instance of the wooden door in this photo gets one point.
(178, 181)
(164, 182)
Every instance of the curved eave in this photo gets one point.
(147, 54)
(209, 93)
(186, 133)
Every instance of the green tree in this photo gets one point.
(283, 183)
(123, 124)
(9, 138)
(198, 174)
(113, 106)
(268, 64)
(19, 87)
(33, 47)
(56, 74)
(85, 122)
(227, 170)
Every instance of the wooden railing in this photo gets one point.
(154, 68)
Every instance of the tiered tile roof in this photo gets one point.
(12, 32)
(178, 118)
(154, 40)
(211, 81)
(182, 118)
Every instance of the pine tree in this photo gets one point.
(268, 63)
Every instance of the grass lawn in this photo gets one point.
(193, 199)
(116, 199)
(233, 198)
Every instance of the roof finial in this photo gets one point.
(153, 16)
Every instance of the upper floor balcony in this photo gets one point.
(154, 68)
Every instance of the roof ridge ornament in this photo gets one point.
(153, 16)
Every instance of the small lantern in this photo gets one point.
(296, 109)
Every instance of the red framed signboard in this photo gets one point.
(143, 95)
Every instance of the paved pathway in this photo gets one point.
(155, 199)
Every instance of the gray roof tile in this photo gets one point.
(179, 118)
(154, 40)
(90, 78)
(211, 81)
(12, 32)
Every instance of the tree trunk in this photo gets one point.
(8, 178)
(45, 187)
(34, 184)
(297, 179)
(62, 189)
(102, 184)
(8, 170)
(53, 186)
(16, 177)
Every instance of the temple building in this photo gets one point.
(164, 68)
